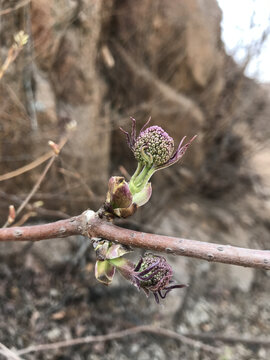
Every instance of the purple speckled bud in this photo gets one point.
(119, 198)
(153, 273)
(119, 195)
(156, 144)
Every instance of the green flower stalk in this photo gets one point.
(154, 150)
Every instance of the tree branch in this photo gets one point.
(90, 225)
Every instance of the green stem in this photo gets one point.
(138, 170)
(136, 178)
(138, 182)
(147, 177)
(141, 176)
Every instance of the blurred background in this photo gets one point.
(197, 67)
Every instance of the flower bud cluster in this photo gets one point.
(152, 274)
(154, 150)
(153, 146)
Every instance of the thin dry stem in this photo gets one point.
(119, 335)
(33, 164)
(8, 353)
(20, 39)
(25, 218)
(56, 151)
(77, 176)
(34, 207)
(33, 191)
(37, 185)
(27, 167)
(233, 339)
(16, 7)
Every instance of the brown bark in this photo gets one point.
(89, 224)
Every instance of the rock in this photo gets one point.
(241, 278)
(11, 248)
(199, 314)
(56, 251)
(54, 334)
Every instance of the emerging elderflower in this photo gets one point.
(153, 146)
(154, 150)
(152, 274)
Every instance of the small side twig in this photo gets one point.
(231, 339)
(8, 353)
(56, 150)
(27, 167)
(119, 335)
(36, 162)
(33, 191)
(34, 207)
(16, 7)
(25, 217)
(37, 185)
(20, 39)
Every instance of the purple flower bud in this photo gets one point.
(154, 272)
(119, 200)
(153, 146)
(119, 195)
(151, 274)
(154, 150)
